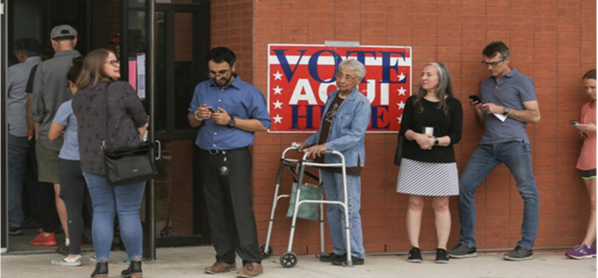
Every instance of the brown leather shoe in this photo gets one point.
(220, 267)
(250, 270)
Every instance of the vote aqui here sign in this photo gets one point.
(300, 78)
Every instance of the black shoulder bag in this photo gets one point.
(127, 165)
(399, 151)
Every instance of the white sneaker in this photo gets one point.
(69, 262)
(93, 258)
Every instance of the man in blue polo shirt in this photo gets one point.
(228, 111)
(508, 104)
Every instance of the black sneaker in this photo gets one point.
(14, 231)
(415, 255)
(463, 251)
(341, 260)
(331, 257)
(519, 254)
(441, 256)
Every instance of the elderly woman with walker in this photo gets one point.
(344, 123)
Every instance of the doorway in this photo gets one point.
(182, 42)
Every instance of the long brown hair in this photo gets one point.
(93, 69)
(445, 88)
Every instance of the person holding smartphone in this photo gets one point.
(505, 140)
(228, 112)
(587, 165)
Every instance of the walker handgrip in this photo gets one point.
(327, 152)
(296, 145)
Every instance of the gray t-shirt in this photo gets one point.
(16, 81)
(65, 117)
(511, 91)
(50, 90)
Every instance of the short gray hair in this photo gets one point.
(354, 65)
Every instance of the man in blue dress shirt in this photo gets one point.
(228, 111)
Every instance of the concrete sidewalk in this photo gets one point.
(190, 262)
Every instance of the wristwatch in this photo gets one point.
(231, 123)
(506, 111)
(436, 142)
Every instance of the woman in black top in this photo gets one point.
(431, 124)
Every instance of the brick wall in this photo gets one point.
(552, 41)
(231, 23)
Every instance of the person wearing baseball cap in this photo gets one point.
(50, 90)
(63, 32)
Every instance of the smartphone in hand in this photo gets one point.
(211, 109)
(573, 122)
(475, 98)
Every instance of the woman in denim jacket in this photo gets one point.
(344, 123)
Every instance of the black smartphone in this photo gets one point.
(475, 98)
(573, 122)
(211, 109)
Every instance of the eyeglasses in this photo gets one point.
(114, 63)
(493, 64)
(213, 74)
(349, 78)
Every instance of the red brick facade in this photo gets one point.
(551, 41)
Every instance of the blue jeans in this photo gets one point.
(107, 201)
(17, 164)
(517, 157)
(333, 187)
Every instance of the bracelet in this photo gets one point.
(197, 118)
(30, 133)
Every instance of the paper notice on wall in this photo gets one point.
(141, 75)
(133, 74)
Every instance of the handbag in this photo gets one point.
(127, 165)
(306, 211)
(399, 151)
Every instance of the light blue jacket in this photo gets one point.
(347, 131)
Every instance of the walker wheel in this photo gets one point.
(288, 260)
(263, 252)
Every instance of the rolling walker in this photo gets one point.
(297, 169)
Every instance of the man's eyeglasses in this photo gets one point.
(213, 74)
(349, 78)
(114, 63)
(493, 64)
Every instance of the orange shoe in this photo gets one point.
(41, 239)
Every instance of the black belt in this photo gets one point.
(215, 152)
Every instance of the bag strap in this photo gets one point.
(105, 115)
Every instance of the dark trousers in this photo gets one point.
(228, 200)
(50, 220)
(31, 199)
(74, 193)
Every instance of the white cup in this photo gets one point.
(428, 130)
